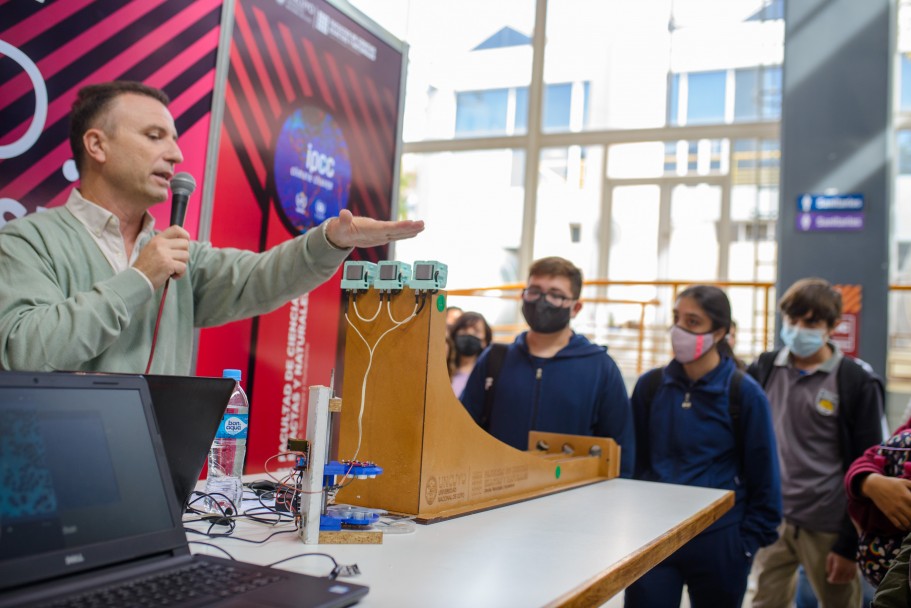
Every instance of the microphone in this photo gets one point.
(182, 186)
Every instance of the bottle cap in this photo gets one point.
(231, 373)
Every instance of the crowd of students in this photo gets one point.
(798, 435)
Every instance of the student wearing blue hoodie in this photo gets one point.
(702, 422)
(551, 379)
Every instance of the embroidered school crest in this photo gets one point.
(826, 403)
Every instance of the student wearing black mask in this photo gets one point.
(470, 335)
(551, 378)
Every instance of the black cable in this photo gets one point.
(240, 538)
(202, 542)
(288, 559)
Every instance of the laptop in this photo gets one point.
(188, 410)
(87, 506)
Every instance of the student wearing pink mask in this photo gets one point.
(827, 409)
(702, 422)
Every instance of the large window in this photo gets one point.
(505, 111)
(699, 98)
(485, 112)
(640, 140)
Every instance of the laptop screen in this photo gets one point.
(81, 479)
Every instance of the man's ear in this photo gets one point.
(575, 309)
(95, 143)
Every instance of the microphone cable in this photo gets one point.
(182, 186)
(164, 294)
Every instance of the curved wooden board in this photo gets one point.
(437, 461)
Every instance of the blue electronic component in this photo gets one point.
(358, 275)
(428, 275)
(352, 517)
(358, 470)
(392, 275)
(338, 515)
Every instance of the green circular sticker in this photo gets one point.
(441, 303)
(557, 472)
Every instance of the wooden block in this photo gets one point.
(350, 537)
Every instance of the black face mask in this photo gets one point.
(468, 345)
(545, 318)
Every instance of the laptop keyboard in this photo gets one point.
(192, 584)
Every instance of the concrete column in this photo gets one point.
(836, 136)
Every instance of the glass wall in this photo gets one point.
(638, 139)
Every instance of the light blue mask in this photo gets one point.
(801, 341)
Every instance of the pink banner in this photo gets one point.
(50, 50)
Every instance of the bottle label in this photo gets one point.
(233, 426)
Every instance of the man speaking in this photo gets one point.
(82, 285)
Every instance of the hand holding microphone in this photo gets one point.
(167, 253)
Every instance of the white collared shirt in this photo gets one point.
(104, 227)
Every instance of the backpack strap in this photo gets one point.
(495, 356)
(735, 405)
(651, 381)
(852, 377)
(762, 368)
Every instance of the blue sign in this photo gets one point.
(807, 203)
(849, 221)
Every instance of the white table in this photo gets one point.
(577, 548)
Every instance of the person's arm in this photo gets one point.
(45, 323)
(870, 491)
(615, 416)
(231, 284)
(892, 496)
(759, 455)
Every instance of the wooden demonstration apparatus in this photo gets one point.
(401, 412)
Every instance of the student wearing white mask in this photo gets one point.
(827, 409)
(700, 421)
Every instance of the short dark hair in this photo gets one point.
(94, 100)
(717, 307)
(813, 296)
(558, 267)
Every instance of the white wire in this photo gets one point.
(371, 350)
(375, 315)
(391, 318)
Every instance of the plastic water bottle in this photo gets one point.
(226, 458)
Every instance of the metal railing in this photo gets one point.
(635, 330)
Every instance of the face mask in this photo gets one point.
(801, 341)
(689, 346)
(468, 345)
(545, 318)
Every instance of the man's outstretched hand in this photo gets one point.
(346, 230)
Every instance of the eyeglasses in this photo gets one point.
(533, 294)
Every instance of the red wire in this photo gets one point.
(164, 294)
